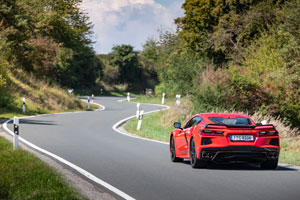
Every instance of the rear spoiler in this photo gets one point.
(266, 126)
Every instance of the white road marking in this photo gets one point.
(82, 171)
(100, 109)
(75, 167)
(119, 123)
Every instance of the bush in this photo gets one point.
(111, 74)
(179, 74)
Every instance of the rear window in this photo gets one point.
(231, 121)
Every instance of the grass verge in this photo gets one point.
(288, 155)
(24, 176)
(152, 99)
(151, 127)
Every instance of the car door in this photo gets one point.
(190, 130)
(182, 142)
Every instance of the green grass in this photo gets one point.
(24, 176)
(151, 127)
(152, 99)
(289, 157)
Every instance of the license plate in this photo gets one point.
(241, 137)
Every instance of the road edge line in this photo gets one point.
(73, 166)
(62, 160)
(117, 125)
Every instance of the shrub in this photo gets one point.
(178, 74)
(111, 74)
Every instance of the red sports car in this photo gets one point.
(224, 138)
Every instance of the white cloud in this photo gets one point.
(128, 21)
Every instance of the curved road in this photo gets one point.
(142, 169)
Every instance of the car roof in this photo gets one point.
(225, 115)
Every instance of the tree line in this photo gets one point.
(50, 39)
(240, 55)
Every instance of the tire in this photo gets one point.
(270, 164)
(173, 151)
(195, 162)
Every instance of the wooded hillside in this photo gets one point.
(240, 55)
(48, 41)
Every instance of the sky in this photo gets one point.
(131, 22)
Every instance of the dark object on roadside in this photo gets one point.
(149, 91)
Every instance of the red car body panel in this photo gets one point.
(262, 142)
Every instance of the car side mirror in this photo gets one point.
(258, 124)
(177, 125)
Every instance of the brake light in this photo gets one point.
(207, 131)
(262, 133)
(219, 132)
(272, 133)
(268, 133)
(211, 132)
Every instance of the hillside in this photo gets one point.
(232, 55)
(44, 46)
(40, 97)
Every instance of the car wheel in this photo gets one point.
(195, 162)
(270, 164)
(173, 151)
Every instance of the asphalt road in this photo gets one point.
(142, 169)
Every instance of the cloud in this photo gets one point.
(128, 21)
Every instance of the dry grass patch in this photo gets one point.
(40, 93)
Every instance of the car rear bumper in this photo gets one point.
(239, 154)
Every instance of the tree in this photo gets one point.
(50, 39)
(210, 27)
(69, 26)
(126, 59)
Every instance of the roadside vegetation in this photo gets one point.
(152, 99)
(151, 127)
(41, 97)
(44, 47)
(23, 176)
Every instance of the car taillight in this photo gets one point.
(211, 132)
(268, 133)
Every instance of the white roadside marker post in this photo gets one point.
(92, 98)
(70, 91)
(140, 120)
(16, 133)
(178, 99)
(89, 106)
(138, 108)
(24, 105)
(163, 98)
(128, 97)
